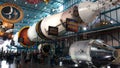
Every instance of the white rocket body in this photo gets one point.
(83, 13)
(87, 12)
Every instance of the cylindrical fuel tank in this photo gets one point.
(94, 53)
(55, 21)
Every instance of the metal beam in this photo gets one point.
(108, 27)
(114, 38)
(111, 18)
(116, 8)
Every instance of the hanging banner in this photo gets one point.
(53, 31)
(33, 1)
(72, 25)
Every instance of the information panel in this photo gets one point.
(53, 31)
(72, 25)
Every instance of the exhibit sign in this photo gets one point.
(53, 31)
(72, 25)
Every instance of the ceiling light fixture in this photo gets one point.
(84, 28)
(34, 16)
(36, 5)
(27, 14)
(25, 2)
(112, 22)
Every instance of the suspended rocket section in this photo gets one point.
(80, 14)
(94, 53)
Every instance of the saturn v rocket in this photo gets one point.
(81, 14)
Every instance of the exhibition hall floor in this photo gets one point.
(5, 64)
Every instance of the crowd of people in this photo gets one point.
(28, 57)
